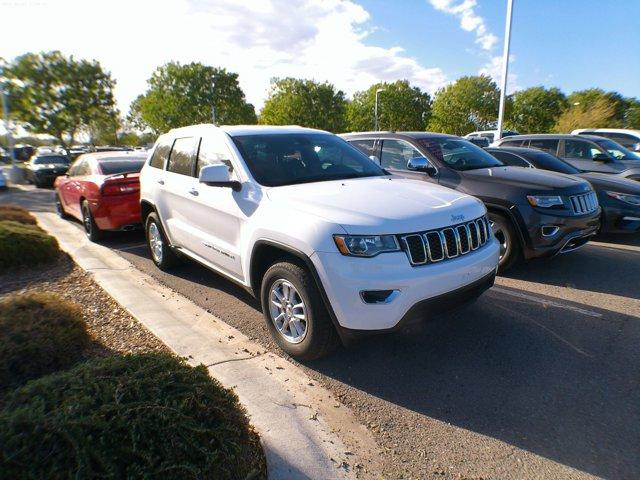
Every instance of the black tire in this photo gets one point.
(60, 209)
(90, 228)
(167, 258)
(320, 336)
(510, 248)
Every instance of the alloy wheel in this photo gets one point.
(288, 311)
(155, 242)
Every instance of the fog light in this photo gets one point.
(378, 296)
(549, 230)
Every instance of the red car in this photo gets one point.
(103, 191)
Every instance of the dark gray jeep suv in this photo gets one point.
(534, 213)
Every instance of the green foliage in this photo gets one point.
(632, 114)
(25, 245)
(536, 109)
(41, 334)
(306, 103)
(181, 95)
(468, 104)
(592, 98)
(400, 107)
(600, 114)
(16, 214)
(59, 95)
(138, 416)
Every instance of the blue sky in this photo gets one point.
(571, 44)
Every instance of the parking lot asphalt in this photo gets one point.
(540, 378)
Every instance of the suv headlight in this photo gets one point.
(366, 245)
(625, 197)
(545, 201)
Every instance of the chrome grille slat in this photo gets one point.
(584, 203)
(446, 243)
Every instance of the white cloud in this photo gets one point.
(259, 39)
(493, 68)
(469, 19)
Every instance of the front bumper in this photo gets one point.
(344, 278)
(620, 219)
(571, 230)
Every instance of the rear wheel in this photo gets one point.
(161, 253)
(506, 235)
(90, 228)
(295, 313)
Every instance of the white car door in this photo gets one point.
(215, 212)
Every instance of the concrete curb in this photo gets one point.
(304, 430)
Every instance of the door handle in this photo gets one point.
(194, 192)
(161, 182)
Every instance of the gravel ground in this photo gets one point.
(113, 330)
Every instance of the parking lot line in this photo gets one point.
(616, 246)
(548, 303)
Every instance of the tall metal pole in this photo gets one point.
(375, 111)
(505, 67)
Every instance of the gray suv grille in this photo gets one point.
(584, 203)
(444, 243)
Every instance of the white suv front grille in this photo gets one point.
(444, 243)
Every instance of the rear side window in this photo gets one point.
(513, 143)
(396, 153)
(365, 146)
(549, 146)
(182, 156)
(160, 154)
(509, 159)
(213, 150)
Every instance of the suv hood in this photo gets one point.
(530, 179)
(380, 205)
(611, 182)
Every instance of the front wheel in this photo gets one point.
(506, 235)
(161, 253)
(295, 313)
(59, 208)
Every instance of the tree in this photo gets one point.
(468, 104)
(306, 103)
(536, 109)
(591, 97)
(400, 107)
(632, 113)
(600, 114)
(59, 95)
(180, 95)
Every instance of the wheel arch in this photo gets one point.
(513, 217)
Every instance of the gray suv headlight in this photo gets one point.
(625, 197)
(545, 201)
(366, 245)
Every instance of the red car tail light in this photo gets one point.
(120, 187)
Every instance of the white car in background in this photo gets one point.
(628, 138)
(490, 135)
(328, 241)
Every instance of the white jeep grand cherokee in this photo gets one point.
(330, 243)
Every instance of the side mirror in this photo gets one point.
(421, 164)
(636, 147)
(601, 157)
(218, 176)
(375, 159)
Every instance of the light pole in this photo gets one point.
(505, 67)
(375, 110)
(213, 105)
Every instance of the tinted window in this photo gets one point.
(292, 158)
(160, 154)
(213, 151)
(182, 156)
(50, 159)
(617, 150)
(459, 154)
(547, 161)
(365, 146)
(580, 150)
(513, 143)
(509, 158)
(396, 153)
(79, 168)
(112, 167)
(550, 146)
(623, 139)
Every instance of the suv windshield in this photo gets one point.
(50, 159)
(547, 161)
(459, 154)
(617, 150)
(291, 158)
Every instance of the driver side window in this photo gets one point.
(396, 153)
(580, 150)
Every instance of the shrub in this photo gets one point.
(39, 334)
(25, 245)
(137, 416)
(16, 214)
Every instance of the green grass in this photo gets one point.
(139, 416)
(39, 334)
(23, 245)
